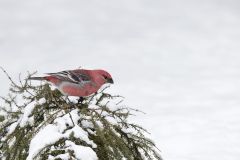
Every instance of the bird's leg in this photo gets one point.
(80, 100)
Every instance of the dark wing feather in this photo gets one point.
(72, 76)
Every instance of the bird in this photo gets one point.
(78, 82)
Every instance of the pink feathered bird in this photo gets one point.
(79, 82)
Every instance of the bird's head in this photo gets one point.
(105, 75)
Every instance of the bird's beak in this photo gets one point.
(110, 80)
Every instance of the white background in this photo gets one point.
(177, 60)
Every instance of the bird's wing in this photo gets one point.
(72, 76)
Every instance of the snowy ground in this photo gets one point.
(178, 61)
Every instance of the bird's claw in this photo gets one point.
(80, 100)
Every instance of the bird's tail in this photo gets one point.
(37, 78)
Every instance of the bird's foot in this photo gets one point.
(80, 100)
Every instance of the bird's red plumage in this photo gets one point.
(79, 82)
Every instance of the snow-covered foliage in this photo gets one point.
(37, 122)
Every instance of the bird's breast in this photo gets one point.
(78, 90)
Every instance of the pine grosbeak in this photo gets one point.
(79, 82)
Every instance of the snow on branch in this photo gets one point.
(38, 122)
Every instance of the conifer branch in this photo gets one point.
(102, 118)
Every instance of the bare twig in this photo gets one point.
(5, 72)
